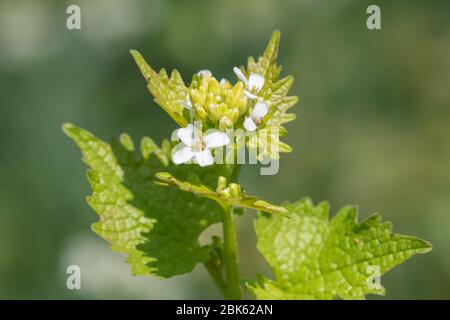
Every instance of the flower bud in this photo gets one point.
(198, 97)
(214, 113)
(226, 193)
(202, 114)
(235, 115)
(221, 183)
(225, 123)
(235, 190)
(223, 109)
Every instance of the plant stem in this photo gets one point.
(230, 255)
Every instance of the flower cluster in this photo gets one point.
(218, 105)
(258, 100)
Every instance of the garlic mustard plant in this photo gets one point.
(154, 201)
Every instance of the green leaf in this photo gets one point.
(274, 92)
(168, 91)
(156, 227)
(223, 196)
(314, 258)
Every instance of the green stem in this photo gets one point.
(230, 255)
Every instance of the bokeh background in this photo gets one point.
(373, 126)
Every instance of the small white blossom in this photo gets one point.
(186, 104)
(204, 73)
(197, 146)
(258, 113)
(253, 84)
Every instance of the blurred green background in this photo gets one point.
(373, 126)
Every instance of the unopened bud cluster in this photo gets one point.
(233, 190)
(217, 104)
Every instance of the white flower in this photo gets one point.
(196, 145)
(186, 104)
(253, 84)
(204, 73)
(259, 111)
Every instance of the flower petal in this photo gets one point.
(256, 82)
(186, 135)
(204, 73)
(249, 124)
(260, 110)
(187, 104)
(240, 75)
(182, 155)
(216, 139)
(204, 158)
(250, 95)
